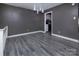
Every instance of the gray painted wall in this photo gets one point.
(20, 20)
(63, 23)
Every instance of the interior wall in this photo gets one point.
(63, 22)
(20, 20)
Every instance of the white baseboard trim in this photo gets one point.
(24, 34)
(67, 38)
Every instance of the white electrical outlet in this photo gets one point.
(74, 17)
(78, 20)
(73, 4)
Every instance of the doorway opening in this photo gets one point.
(48, 22)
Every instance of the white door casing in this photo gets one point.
(45, 25)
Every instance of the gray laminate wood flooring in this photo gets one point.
(40, 44)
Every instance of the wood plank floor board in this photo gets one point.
(40, 44)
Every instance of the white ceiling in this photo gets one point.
(31, 5)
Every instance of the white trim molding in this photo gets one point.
(24, 34)
(45, 20)
(67, 38)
